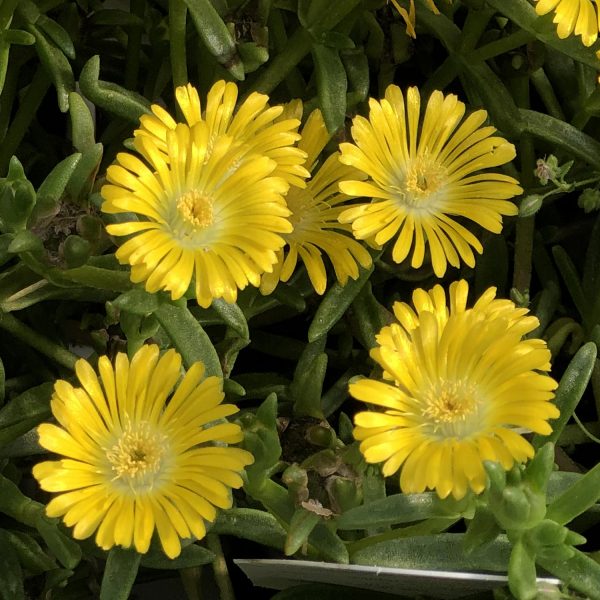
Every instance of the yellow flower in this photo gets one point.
(209, 196)
(315, 211)
(133, 462)
(459, 386)
(421, 176)
(579, 16)
(265, 128)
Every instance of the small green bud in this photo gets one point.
(530, 205)
(496, 475)
(252, 55)
(76, 251)
(15, 170)
(518, 62)
(26, 241)
(521, 299)
(559, 552)
(295, 476)
(513, 475)
(547, 533)
(17, 199)
(90, 227)
(539, 468)
(589, 200)
(321, 435)
(343, 492)
(514, 510)
(574, 539)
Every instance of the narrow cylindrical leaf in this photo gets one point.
(332, 85)
(335, 303)
(438, 552)
(398, 508)
(66, 550)
(188, 337)
(119, 574)
(24, 412)
(11, 575)
(110, 96)
(82, 123)
(570, 390)
(251, 524)
(583, 494)
(215, 35)
(521, 573)
(29, 552)
(232, 316)
(580, 573)
(56, 65)
(307, 389)
(53, 187)
(57, 34)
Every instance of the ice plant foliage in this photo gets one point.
(140, 452)
(315, 209)
(209, 194)
(578, 16)
(424, 172)
(458, 386)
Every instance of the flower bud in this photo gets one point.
(589, 200)
(530, 205)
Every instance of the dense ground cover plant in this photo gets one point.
(322, 277)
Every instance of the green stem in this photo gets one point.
(583, 428)
(574, 434)
(177, 21)
(134, 46)
(442, 77)
(27, 110)
(546, 91)
(8, 93)
(190, 579)
(38, 342)
(503, 45)
(219, 566)
(475, 24)
(298, 46)
(7, 8)
(525, 226)
(294, 81)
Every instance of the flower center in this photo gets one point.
(303, 207)
(137, 457)
(450, 405)
(423, 179)
(196, 208)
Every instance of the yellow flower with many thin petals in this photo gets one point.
(459, 386)
(578, 16)
(137, 458)
(265, 128)
(422, 175)
(209, 196)
(314, 215)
